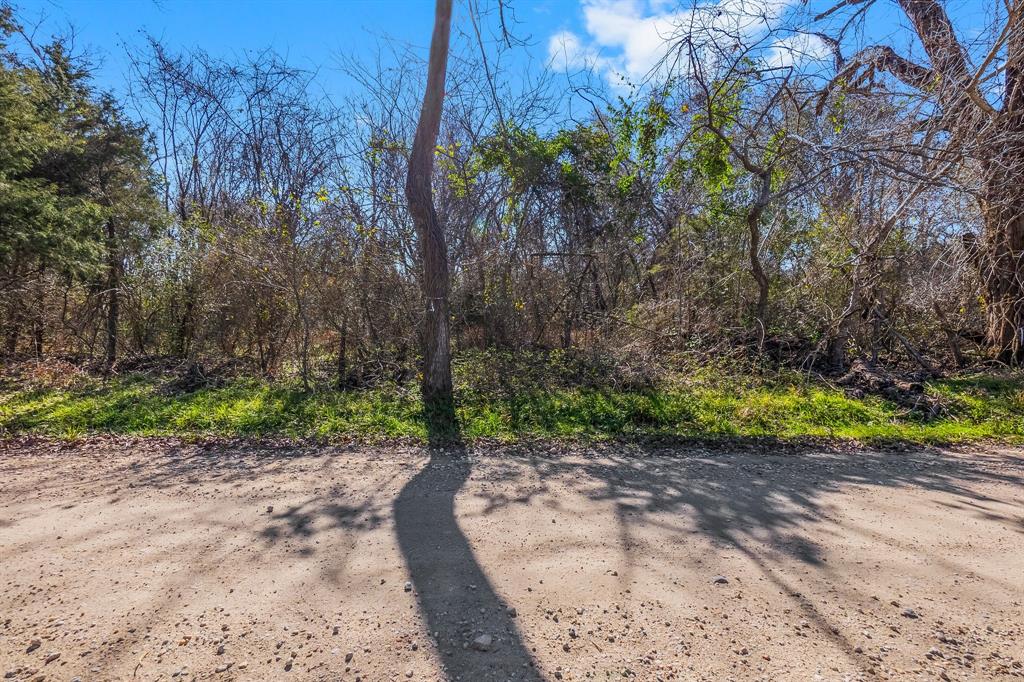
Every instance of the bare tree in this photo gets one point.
(437, 365)
(975, 115)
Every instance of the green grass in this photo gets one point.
(705, 406)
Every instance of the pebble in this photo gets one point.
(910, 613)
(408, 587)
(33, 645)
(720, 580)
(483, 643)
(52, 657)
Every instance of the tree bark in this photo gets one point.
(437, 371)
(754, 213)
(1002, 262)
(113, 294)
(951, 336)
(342, 366)
(13, 329)
(39, 318)
(1003, 206)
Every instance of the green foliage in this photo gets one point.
(711, 158)
(69, 162)
(637, 133)
(522, 155)
(529, 160)
(39, 217)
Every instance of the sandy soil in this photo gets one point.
(150, 560)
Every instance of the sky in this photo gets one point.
(311, 34)
(617, 37)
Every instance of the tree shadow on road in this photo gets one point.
(473, 627)
(763, 502)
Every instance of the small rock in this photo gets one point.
(408, 673)
(512, 613)
(909, 613)
(33, 645)
(720, 580)
(222, 668)
(50, 658)
(483, 643)
(408, 587)
(348, 657)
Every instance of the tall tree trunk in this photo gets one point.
(951, 336)
(754, 213)
(183, 334)
(437, 366)
(845, 328)
(113, 294)
(39, 319)
(341, 380)
(13, 328)
(1002, 265)
(1003, 269)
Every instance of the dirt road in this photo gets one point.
(147, 560)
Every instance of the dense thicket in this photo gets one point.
(731, 205)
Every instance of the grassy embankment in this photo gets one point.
(706, 404)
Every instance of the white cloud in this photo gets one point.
(568, 53)
(621, 26)
(797, 49)
(630, 38)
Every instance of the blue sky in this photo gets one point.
(310, 33)
(617, 36)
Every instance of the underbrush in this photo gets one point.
(508, 397)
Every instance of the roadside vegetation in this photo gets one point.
(733, 250)
(509, 398)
